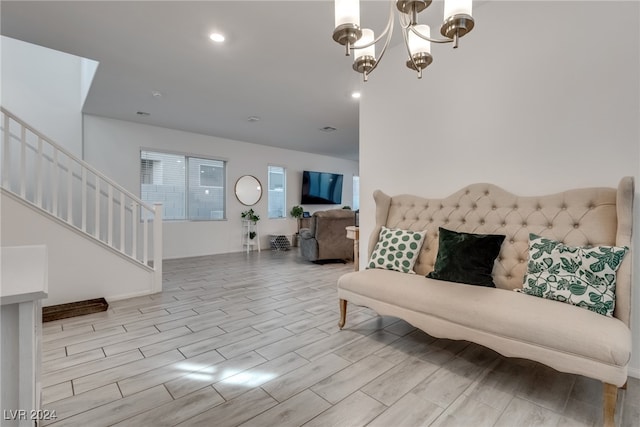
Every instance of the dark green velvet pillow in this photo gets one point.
(466, 257)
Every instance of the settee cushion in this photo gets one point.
(578, 275)
(451, 310)
(466, 257)
(396, 250)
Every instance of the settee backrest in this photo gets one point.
(578, 217)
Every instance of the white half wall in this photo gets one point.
(79, 268)
(533, 101)
(113, 147)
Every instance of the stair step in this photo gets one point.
(73, 309)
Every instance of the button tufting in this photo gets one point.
(576, 225)
(474, 206)
(493, 208)
(564, 207)
(538, 207)
(467, 192)
(511, 241)
(549, 226)
(486, 193)
(457, 206)
(520, 260)
(509, 276)
(504, 224)
(524, 224)
(482, 222)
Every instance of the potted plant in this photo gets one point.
(297, 213)
(250, 215)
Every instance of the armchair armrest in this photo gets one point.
(305, 233)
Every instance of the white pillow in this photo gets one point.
(582, 276)
(397, 250)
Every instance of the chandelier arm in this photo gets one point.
(406, 44)
(417, 33)
(384, 48)
(388, 27)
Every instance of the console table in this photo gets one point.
(24, 285)
(353, 233)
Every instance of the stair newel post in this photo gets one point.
(110, 216)
(6, 153)
(122, 222)
(157, 246)
(96, 228)
(39, 175)
(69, 190)
(23, 162)
(84, 200)
(134, 229)
(145, 238)
(54, 183)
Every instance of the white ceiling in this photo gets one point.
(279, 63)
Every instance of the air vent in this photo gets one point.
(143, 113)
(328, 129)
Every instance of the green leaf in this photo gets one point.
(593, 297)
(569, 265)
(577, 289)
(546, 246)
(607, 256)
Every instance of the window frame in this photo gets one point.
(284, 191)
(186, 157)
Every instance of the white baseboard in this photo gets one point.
(127, 296)
(633, 372)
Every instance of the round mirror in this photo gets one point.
(248, 190)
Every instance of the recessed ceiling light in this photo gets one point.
(156, 93)
(253, 119)
(355, 95)
(216, 37)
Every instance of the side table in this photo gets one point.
(353, 233)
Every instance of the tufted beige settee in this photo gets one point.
(564, 337)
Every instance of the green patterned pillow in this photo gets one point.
(582, 276)
(396, 250)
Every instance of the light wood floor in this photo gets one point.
(252, 340)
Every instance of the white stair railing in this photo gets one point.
(44, 174)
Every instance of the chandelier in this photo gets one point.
(417, 37)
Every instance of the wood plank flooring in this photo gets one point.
(252, 340)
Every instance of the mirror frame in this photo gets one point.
(246, 191)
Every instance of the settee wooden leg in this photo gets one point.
(624, 386)
(610, 392)
(343, 313)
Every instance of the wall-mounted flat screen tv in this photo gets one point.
(321, 188)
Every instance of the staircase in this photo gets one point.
(40, 174)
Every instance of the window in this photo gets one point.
(277, 194)
(188, 187)
(356, 193)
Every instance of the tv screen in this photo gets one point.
(321, 188)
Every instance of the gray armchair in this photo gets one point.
(326, 239)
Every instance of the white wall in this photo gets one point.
(535, 100)
(46, 88)
(113, 147)
(78, 268)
